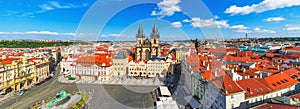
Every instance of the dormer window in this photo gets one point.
(278, 83)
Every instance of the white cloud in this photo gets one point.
(186, 20)
(242, 31)
(167, 8)
(46, 7)
(55, 5)
(216, 17)
(263, 6)
(52, 6)
(239, 27)
(112, 35)
(176, 24)
(258, 30)
(198, 22)
(274, 19)
(153, 13)
(38, 33)
(41, 33)
(211, 23)
(292, 27)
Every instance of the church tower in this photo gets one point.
(139, 42)
(155, 49)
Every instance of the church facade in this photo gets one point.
(147, 48)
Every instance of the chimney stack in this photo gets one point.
(215, 74)
(207, 67)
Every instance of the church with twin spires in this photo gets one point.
(147, 48)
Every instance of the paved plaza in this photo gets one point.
(112, 94)
(116, 81)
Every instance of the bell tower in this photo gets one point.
(139, 42)
(155, 49)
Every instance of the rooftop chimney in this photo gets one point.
(207, 67)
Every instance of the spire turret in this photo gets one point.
(155, 33)
(140, 32)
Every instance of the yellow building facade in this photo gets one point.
(21, 73)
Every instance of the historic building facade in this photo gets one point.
(21, 73)
(147, 48)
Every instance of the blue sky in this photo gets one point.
(176, 19)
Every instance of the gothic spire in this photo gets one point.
(154, 30)
(154, 33)
(140, 31)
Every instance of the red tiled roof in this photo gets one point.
(292, 72)
(253, 87)
(296, 55)
(278, 81)
(193, 61)
(266, 67)
(57, 51)
(248, 72)
(100, 60)
(270, 55)
(8, 60)
(173, 56)
(275, 106)
(230, 85)
(230, 49)
(292, 48)
(137, 61)
(130, 58)
(164, 53)
(207, 75)
(295, 96)
(226, 82)
(202, 58)
(237, 59)
(20, 53)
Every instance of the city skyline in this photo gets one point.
(61, 20)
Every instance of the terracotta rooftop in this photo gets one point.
(270, 55)
(275, 106)
(100, 60)
(295, 96)
(193, 61)
(8, 60)
(293, 73)
(230, 85)
(296, 55)
(248, 72)
(278, 81)
(253, 87)
(292, 48)
(207, 75)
